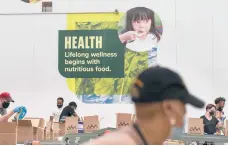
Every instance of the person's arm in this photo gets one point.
(75, 114)
(72, 112)
(122, 38)
(218, 124)
(127, 36)
(6, 117)
(11, 113)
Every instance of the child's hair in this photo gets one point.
(141, 13)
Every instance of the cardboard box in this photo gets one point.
(62, 129)
(123, 120)
(56, 130)
(69, 127)
(38, 128)
(48, 131)
(91, 124)
(8, 133)
(195, 126)
(25, 131)
(30, 129)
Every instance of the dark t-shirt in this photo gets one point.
(210, 126)
(67, 112)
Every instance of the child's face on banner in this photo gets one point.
(142, 27)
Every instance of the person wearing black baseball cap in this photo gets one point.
(159, 95)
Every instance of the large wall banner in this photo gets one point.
(101, 54)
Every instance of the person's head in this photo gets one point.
(160, 95)
(210, 108)
(5, 99)
(60, 102)
(142, 20)
(73, 105)
(220, 103)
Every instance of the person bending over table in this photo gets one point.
(211, 123)
(68, 111)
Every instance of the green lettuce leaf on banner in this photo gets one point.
(95, 25)
(134, 63)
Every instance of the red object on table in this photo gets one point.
(107, 131)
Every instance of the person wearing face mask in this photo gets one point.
(209, 120)
(5, 99)
(160, 96)
(57, 112)
(220, 103)
(68, 111)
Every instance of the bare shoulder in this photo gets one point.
(115, 138)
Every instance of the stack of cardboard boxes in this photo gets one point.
(20, 131)
(8, 133)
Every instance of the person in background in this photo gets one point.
(160, 96)
(5, 117)
(57, 112)
(220, 103)
(209, 120)
(5, 99)
(68, 111)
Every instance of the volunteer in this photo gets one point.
(160, 96)
(5, 117)
(68, 111)
(5, 99)
(220, 103)
(57, 112)
(209, 120)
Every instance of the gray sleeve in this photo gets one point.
(3, 111)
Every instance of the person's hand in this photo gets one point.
(18, 109)
(128, 36)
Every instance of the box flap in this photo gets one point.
(8, 127)
(49, 125)
(25, 123)
(41, 122)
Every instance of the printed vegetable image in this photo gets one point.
(135, 62)
(110, 90)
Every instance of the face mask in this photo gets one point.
(211, 113)
(177, 132)
(5, 105)
(60, 105)
(220, 109)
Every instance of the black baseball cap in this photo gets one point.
(157, 84)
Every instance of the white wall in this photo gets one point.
(194, 42)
